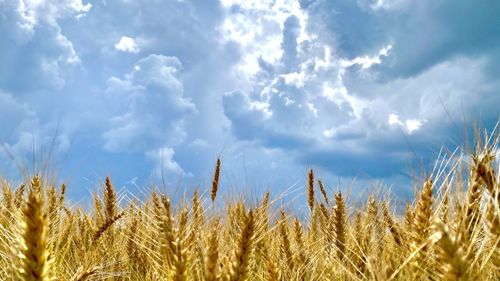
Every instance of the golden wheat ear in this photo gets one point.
(452, 261)
(34, 254)
(285, 242)
(392, 225)
(106, 226)
(240, 263)
(86, 275)
(323, 192)
(215, 181)
(110, 200)
(310, 189)
(212, 252)
(340, 220)
(180, 252)
(421, 226)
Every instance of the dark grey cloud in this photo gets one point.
(291, 29)
(353, 28)
(423, 33)
(433, 31)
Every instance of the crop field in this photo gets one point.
(451, 231)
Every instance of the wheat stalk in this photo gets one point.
(34, 265)
(240, 263)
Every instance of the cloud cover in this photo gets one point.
(137, 89)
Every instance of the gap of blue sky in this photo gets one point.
(136, 89)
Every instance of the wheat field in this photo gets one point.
(451, 231)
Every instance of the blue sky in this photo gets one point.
(136, 89)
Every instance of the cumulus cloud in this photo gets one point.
(127, 44)
(385, 4)
(150, 108)
(257, 26)
(59, 57)
(33, 46)
(25, 16)
(328, 106)
(36, 60)
(164, 162)
(409, 125)
(297, 100)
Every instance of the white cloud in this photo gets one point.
(127, 44)
(409, 126)
(296, 79)
(36, 12)
(301, 92)
(329, 133)
(324, 100)
(301, 88)
(163, 159)
(149, 106)
(258, 27)
(367, 61)
(32, 29)
(413, 125)
(394, 119)
(388, 4)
